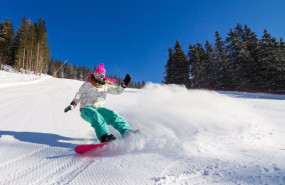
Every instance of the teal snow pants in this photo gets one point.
(99, 117)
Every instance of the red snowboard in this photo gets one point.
(81, 149)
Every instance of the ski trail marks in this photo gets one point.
(66, 172)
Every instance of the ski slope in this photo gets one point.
(188, 136)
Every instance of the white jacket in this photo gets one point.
(89, 95)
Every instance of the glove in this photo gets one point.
(70, 107)
(126, 81)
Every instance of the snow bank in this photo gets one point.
(8, 79)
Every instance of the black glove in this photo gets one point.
(70, 107)
(126, 81)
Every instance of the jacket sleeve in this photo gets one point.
(115, 89)
(82, 90)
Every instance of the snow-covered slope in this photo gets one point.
(8, 79)
(188, 136)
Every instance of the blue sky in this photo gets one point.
(132, 36)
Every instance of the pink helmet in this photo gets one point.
(100, 69)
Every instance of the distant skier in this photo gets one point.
(92, 95)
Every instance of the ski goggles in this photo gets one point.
(98, 75)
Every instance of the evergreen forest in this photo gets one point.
(241, 61)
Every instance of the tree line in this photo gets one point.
(69, 71)
(241, 61)
(28, 51)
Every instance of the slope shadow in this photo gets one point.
(53, 140)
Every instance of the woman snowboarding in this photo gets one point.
(92, 95)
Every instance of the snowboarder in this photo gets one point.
(92, 95)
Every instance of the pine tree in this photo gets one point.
(31, 45)
(209, 66)
(177, 67)
(31, 49)
(269, 63)
(234, 50)
(6, 42)
(244, 50)
(80, 73)
(51, 68)
(201, 73)
(221, 64)
(21, 45)
(169, 68)
(86, 72)
(42, 51)
(251, 70)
